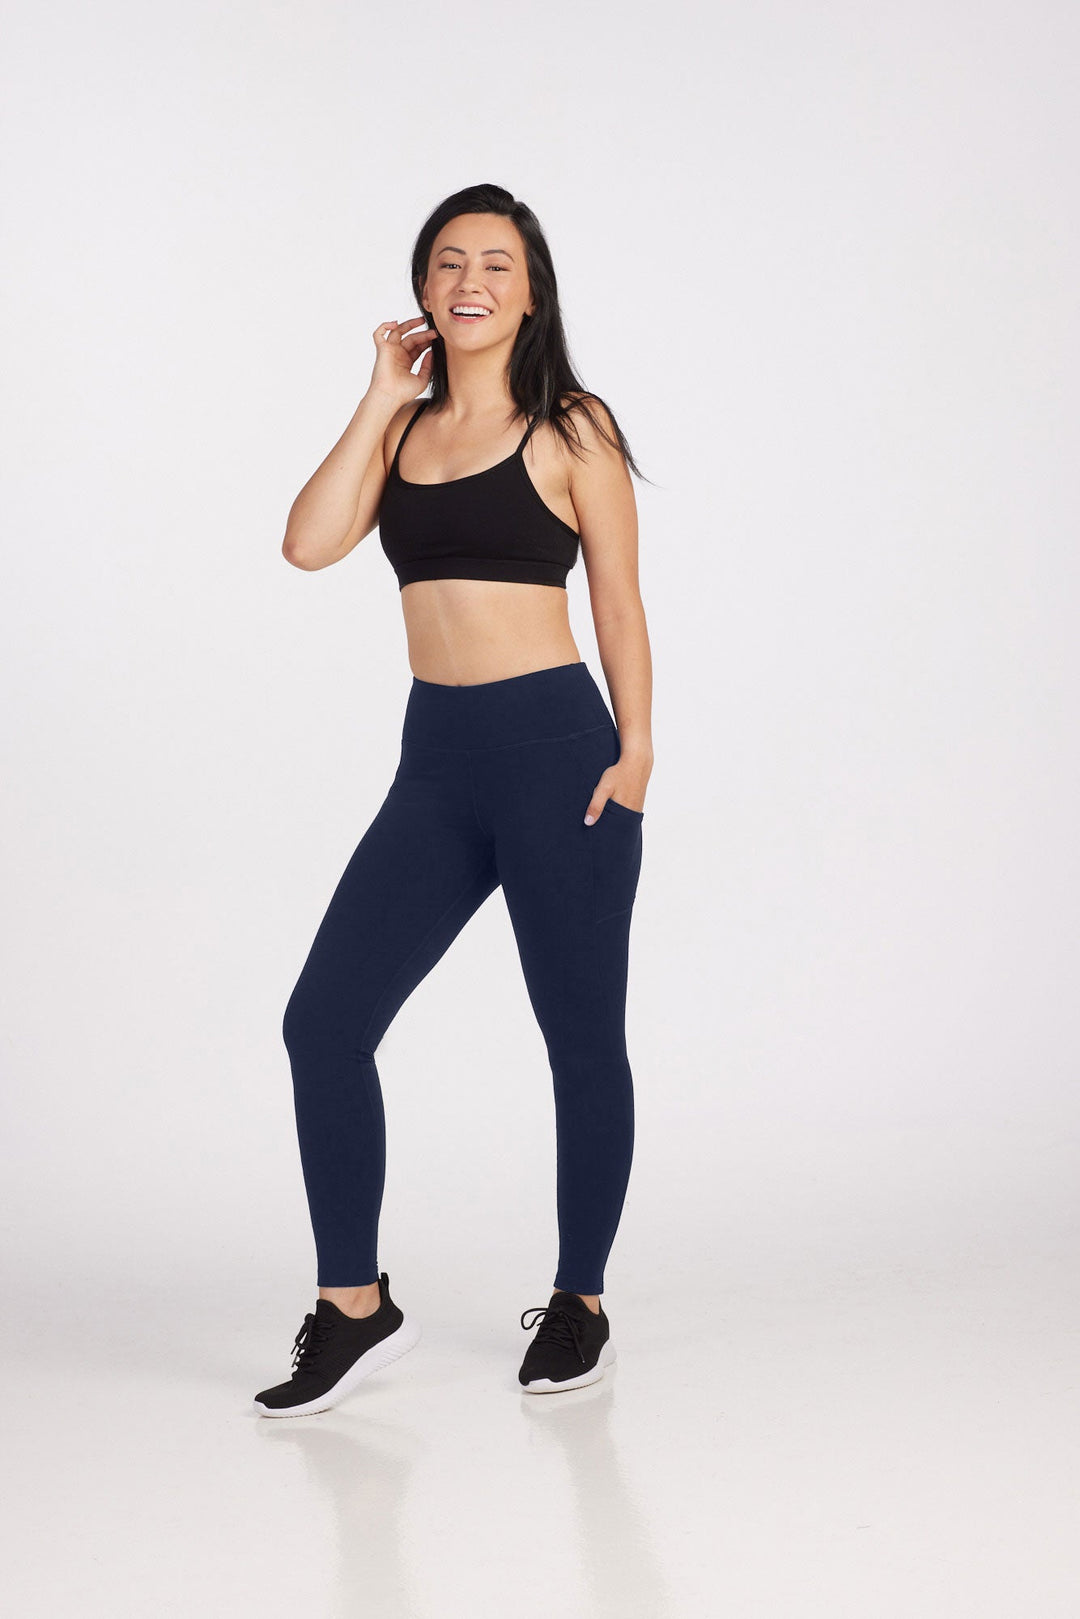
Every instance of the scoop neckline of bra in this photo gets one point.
(465, 477)
(410, 483)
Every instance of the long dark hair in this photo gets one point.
(540, 371)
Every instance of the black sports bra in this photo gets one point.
(493, 524)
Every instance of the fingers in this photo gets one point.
(596, 807)
(398, 325)
(399, 331)
(418, 339)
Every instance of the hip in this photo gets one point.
(550, 704)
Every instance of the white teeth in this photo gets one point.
(469, 309)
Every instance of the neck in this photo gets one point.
(477, 383)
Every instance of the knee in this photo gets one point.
(307, 1019)
(295, 1021)
(319, 1024)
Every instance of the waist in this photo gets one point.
(466, 630)
(543, 705)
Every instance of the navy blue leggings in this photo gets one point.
(491, 789)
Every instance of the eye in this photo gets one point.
(452, 264)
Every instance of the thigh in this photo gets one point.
(420, 871)
(569, 888)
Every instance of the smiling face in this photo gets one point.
(478, 263)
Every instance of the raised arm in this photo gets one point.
(339, 504)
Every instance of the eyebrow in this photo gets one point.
(447, 248)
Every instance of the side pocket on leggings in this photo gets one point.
(615, 844)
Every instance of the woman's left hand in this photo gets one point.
(621, 782)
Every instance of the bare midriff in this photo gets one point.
(462, 632)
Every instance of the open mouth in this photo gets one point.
(467, 312)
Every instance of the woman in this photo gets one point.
(513, 772)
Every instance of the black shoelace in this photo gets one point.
(308, 1342)
(558, 1326)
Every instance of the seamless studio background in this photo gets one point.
(821, 260)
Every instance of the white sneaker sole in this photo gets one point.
(372, 1360)
(544, 1385)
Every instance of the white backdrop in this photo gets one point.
(821, 260)
(822, 265)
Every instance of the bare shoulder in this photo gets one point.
(602, 494)
(592, 427)
(593, 457)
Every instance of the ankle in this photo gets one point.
(355, 1301)
(591, 1299)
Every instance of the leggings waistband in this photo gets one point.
(544, 704)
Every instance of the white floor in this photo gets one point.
(862, 1430)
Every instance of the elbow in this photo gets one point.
(312, 552)
(294, 551)
(619, 613)
(291, 551)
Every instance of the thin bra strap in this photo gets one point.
(533, 424)
(408, 430)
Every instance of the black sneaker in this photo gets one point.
(335, 1352)
(571, 1349)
